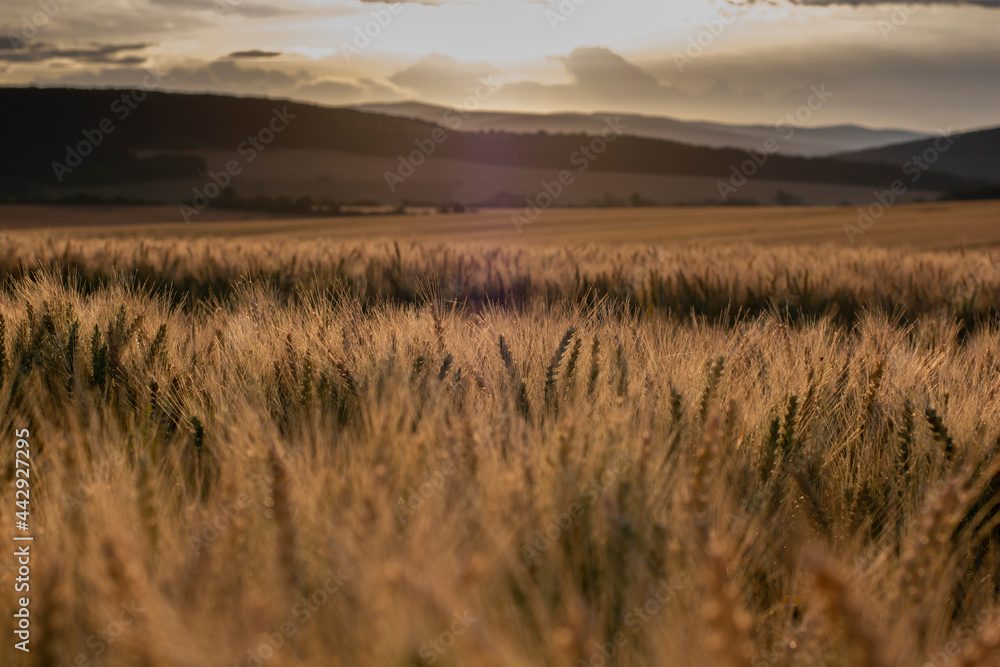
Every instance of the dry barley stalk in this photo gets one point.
(935, 528)
(714, 371)
(729, 623)
(53, 610)
(3, 349)
(283, 518)
(438, 326)
(571, 365)
(595, 368)
(523, 406)
(699, 490)
(840, 602)
(345, 374)
(940, 433)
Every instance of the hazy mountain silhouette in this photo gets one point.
(806, 142)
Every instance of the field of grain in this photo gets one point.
(930, 226)
(320, 449)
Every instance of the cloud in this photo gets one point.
(443, 78)
(432, 3)
(601, 79)
(598, 67)
(347, 92)
(227, 76)
(254, 53)
(33, 52)
(253, 10)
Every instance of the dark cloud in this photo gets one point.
(229, 77)
(253, 10)
(254, 53)
(33, 52)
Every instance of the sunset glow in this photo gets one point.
(693, 59)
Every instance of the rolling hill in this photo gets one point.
(974, 155)
(108, 142)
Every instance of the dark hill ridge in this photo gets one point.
(49, 119)
(974, 155)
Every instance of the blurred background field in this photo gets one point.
(930, 226)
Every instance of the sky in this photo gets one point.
(917, 65)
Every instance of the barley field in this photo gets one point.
(272, 451)
(927, 226)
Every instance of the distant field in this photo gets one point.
(930, 226)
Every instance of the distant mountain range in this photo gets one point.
(168, 143)
(973, 155)
(805, 142)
